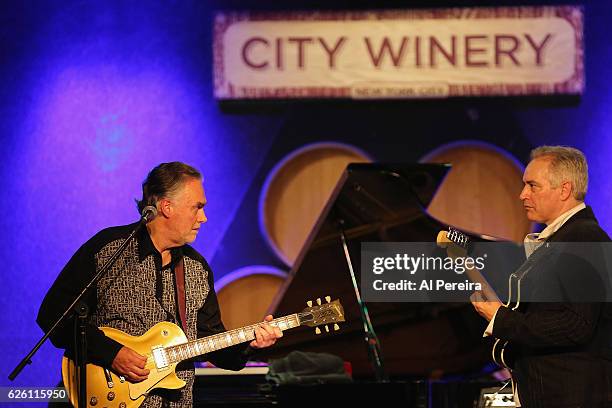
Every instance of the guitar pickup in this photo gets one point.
(160, 357)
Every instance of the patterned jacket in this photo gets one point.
(134, 295)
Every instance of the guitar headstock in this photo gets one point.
(455, 242)
(322, 314)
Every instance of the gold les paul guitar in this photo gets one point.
(165, 345)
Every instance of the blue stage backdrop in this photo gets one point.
(94, 94)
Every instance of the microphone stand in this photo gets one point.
(370, 337)
(76, 307)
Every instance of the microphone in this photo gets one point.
(148, 213)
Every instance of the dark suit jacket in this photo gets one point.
(563, 349)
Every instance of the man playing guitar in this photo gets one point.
(562, 349)
(159, 277)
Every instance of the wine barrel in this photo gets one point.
(295, 192)
(245, 294)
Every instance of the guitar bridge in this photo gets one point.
(160, 357)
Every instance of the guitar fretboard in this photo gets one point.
(226, 339)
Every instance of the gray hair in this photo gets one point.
(566, 164)
(163, 181)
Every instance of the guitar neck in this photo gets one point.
(455, 243)
(204, 345)
(476, 276)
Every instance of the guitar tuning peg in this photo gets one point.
(317, 331)
(326, 328)
(319, 301)
(328, 299)
(309, 303)
(336, 327)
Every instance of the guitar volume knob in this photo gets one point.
(111, 396)
(93, 401)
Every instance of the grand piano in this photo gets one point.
(373, 203)
(431, 351)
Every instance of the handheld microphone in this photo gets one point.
(148, 213)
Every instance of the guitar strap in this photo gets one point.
(179, 271)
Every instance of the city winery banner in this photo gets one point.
(399, 54)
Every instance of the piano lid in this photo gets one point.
(379, 202)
